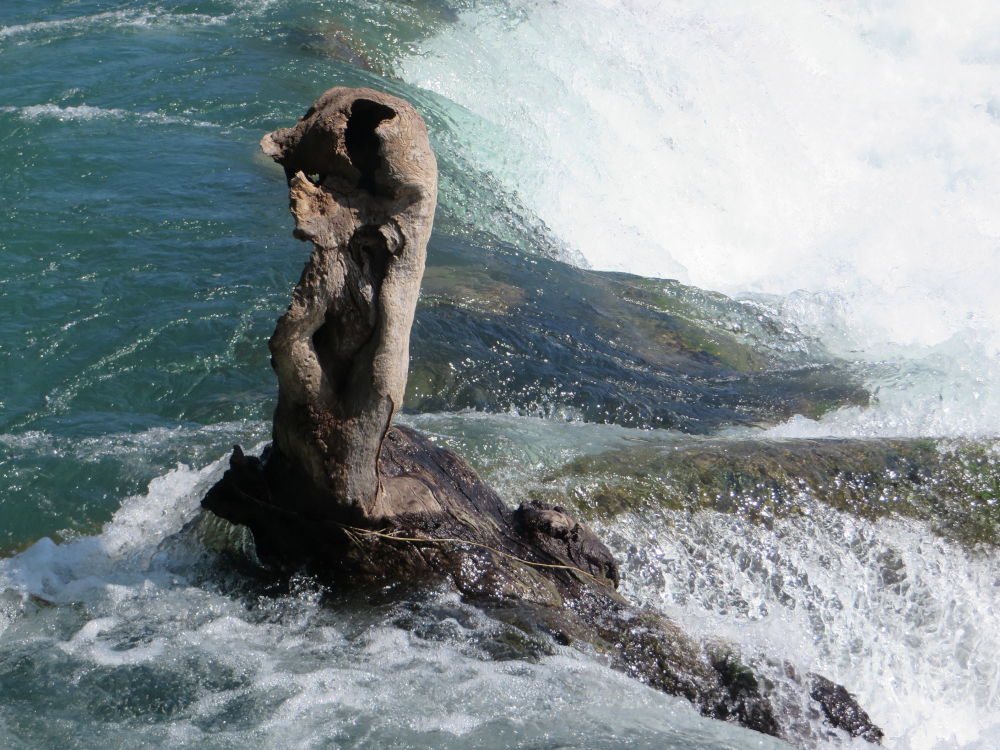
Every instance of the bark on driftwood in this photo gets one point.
(363, 186)
(355, 500)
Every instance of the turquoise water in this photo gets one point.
(146, 240)
(147, 252)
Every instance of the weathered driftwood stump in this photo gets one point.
(344, 494)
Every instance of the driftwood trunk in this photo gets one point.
(363, 186)
(344, 494)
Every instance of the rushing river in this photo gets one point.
(832, 162)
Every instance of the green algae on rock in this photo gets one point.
(951, 485)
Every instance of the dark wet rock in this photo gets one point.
(338, 42)
(553, 530)
(950, 485)
(499, 330)
(359, 503)
(842, 710)
(372, 36)
(742, 685)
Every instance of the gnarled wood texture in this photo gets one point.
(363, 186)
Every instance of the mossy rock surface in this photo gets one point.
(498, 330)
(953, 486)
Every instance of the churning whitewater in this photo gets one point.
(832, 163)
(833, 156)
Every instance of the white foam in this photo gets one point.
(839, 148)
(84, 112)
(137, 17)
(130, 444)
(818, 146)
(289, 671)
(124, 550)
(918, 648)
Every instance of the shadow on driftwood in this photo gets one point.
(356, 501)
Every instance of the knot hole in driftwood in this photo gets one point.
(344, 343)
(362, 141)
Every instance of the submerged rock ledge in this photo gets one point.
(499, 330)
(358, 502)
(949, 485)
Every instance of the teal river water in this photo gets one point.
(145, 252)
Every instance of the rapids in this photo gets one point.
(831, 163)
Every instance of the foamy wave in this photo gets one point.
(111, 19)
(130, 443)
(830, 147)
(868, 605)
(87, 112)
(67, 572)
(290, 671)
(742, 147)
